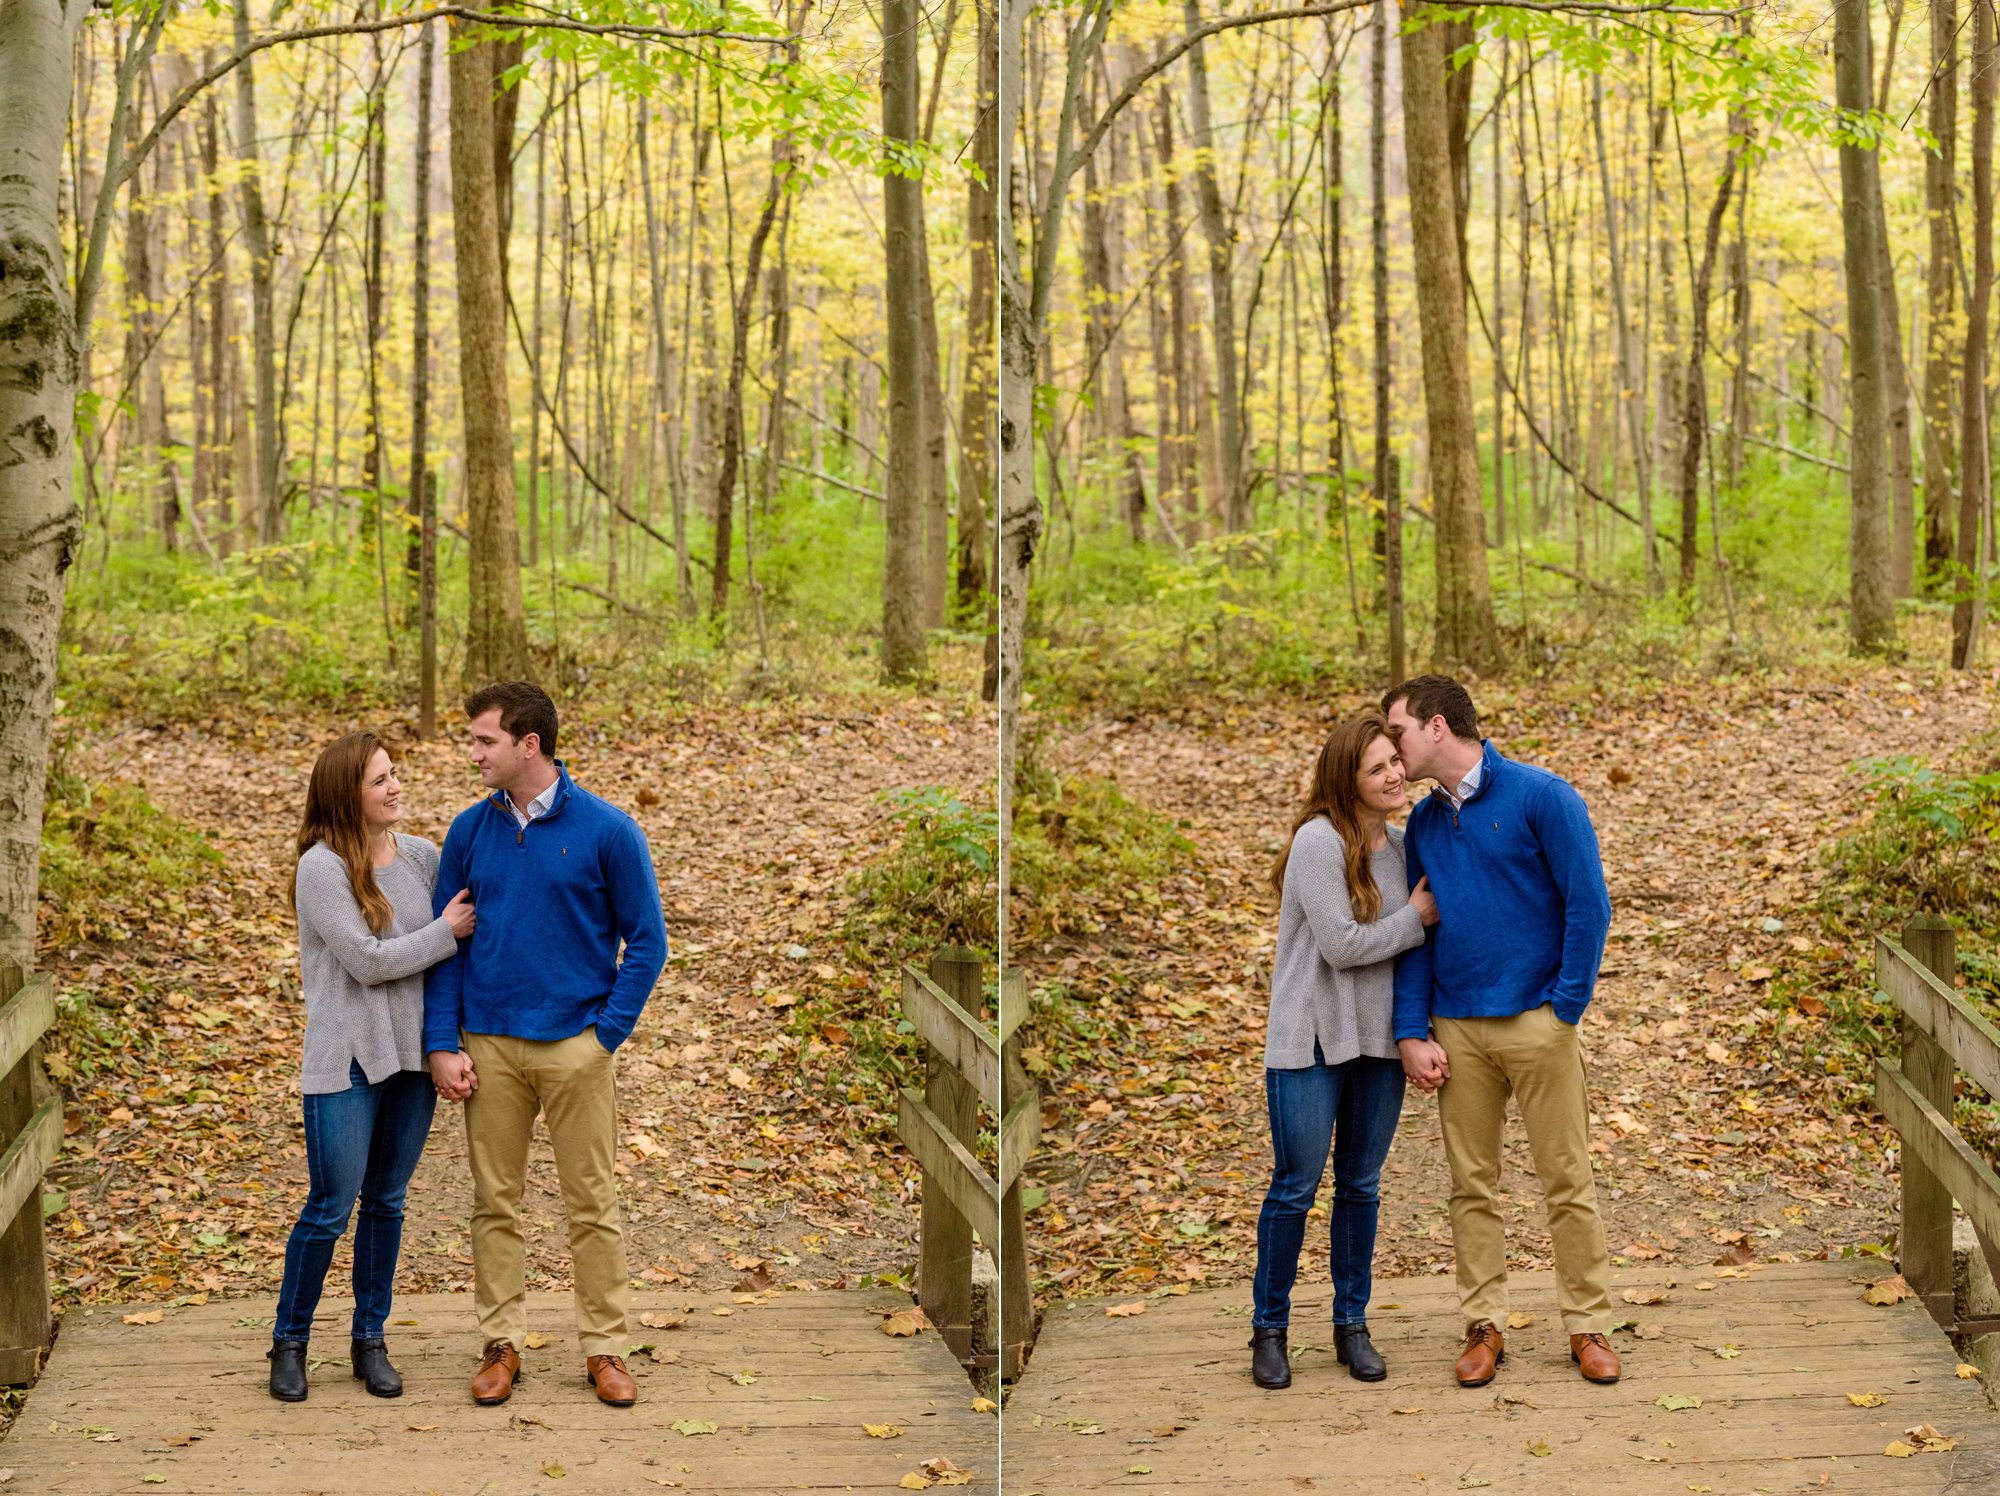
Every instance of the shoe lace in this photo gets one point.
(612, 1363)
(1597, 1340)
(1481, 1333)
(495, 1354)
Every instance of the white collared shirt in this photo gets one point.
(539, 806)
(1457, 797)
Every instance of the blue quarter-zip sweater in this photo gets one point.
(555, 899)
(1522, 906)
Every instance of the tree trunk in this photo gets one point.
(420, 310)
(1466, 632)
(496, 639)
(936, 455)
(1387, 492)
(40, 361)
(263, 320)
(975, 412)
(1902, 478)
(1694, 392)
(903, 644)
(1941, 289)
(1872, 616)
(1221, 292)
(1975, 468)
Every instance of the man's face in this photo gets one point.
(501, 760)
(1416, 741)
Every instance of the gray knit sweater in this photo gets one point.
(365, 992)
(1333, 979)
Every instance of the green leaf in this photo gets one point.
(1674, 1402)
(687, 1428)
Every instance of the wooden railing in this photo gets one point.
(31, 1134)
(965, 1063)
(1942, 1034)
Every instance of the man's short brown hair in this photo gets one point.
(524, 708)
(1437, 696)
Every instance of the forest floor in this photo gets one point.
(760, 1138)
(1719, 1133)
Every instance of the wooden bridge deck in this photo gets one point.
(180, 1406)
(1162, 1401)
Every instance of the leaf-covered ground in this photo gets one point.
(1717, 1126)
(755, 1095)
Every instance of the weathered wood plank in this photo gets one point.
(966, 1044)
(1954, 1023)
(798, 1424)
(948, 1164)
(26, 1017)
(1762, 1423)
(1013, 1002)
(27, 1158)
(1020, 1135)
(1931, 1137)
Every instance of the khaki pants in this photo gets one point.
(570, 1083)
(1538, 1059)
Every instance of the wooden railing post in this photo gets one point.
(24, 1277)
(1017, 1292)
(944, 1261)
(1924, 1247)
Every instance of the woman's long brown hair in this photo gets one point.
(333, 815)
(1334, 794)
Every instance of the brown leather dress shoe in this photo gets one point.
(1485, 1349)
(613, 1382)
(1594, 1354)
(494, 1381)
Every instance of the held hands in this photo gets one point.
(451, 1069)
(458, 913)
(1424, 1062)
(1423, 903)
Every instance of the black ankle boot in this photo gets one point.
(1270, 1359)
(1357, 1353)
(288, 1370)
(371, 1365)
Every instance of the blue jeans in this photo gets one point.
(362, 1143)
(1353, 1109)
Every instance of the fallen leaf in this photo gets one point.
(914, 1482)
(1122, 1311)
(663, 1357)
(985, 1405)
(1674, 1402)
(1539, 1449)
(722, 1311)
(1716, 1053)
(1406, 1410)
(419, 1428)
(903, 1322)
(1809, 1321)
(1650, 1332)
(149, 1317)
(1303, 1483)
(554, 1470)
(1923, 1436)
(943, 1468)
(1898, 1450)
(154, 1480)
(1884, 1291)
(1644, 1296)
(1138, 1469)
(687, 1428)
(662, 1321)
(1519, 1321)
(1867, 1399)
(1651, 1459)
(1726, 1353)
(1704, 1286)
(104, 1439)
(536, 1340)
(883, 1431)
(1966, 1370)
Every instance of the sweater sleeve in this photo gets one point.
(326, 901)
(444, 983)
(1319, 861)
(642, 925)
(1414, 972)
(1561, 822)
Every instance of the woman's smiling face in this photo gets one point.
(1379, 781)
(381, 792)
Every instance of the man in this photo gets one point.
(1488, 1006)
(526, 1017)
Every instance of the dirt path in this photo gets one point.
(1714, 1113)
(760, 1128)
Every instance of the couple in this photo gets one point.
(1458, 954)
(516, 1012)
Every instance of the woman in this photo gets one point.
(1332, 1075)
(362, 893)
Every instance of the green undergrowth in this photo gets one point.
(1084, 854)
(938, 884)
(112, 859)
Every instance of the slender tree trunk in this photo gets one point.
(263, 323)
(1694, 392)
(975, 417)
(903, 644)
(1631, 378)
(1975, 477)
(41, 529)
(936, 456)
(1940, 289)
(1221, 282)
(420, 310)
(1387, 495)
(1873, 599)
(1902, 477)
(496, 639)
(1467, 633)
